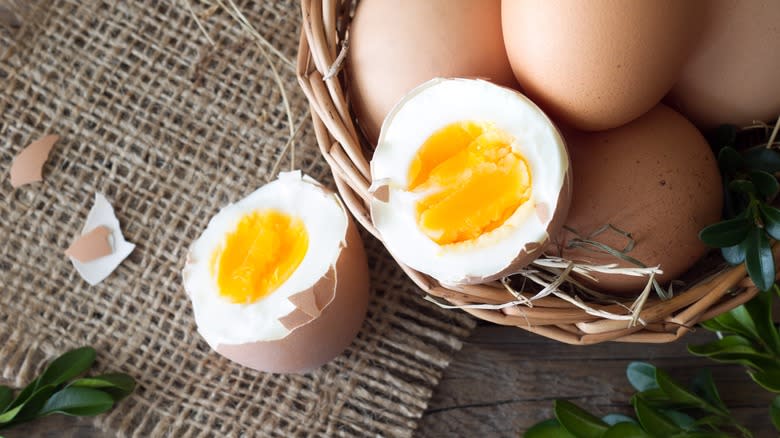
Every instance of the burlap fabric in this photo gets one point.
(171, 129)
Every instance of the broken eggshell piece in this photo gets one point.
(469, 181)
(27, 166)
(92, 245)
(96, 270)
(314, 312)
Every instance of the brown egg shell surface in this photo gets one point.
(656, 178)
(732, 74)
(398, 45)
(595, 65)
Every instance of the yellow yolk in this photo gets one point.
(259, 255)
(472, 181)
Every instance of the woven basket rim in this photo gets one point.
(323, 46)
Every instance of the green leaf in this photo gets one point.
(701, 434)
(68, 366)
(652, 420)
(733, 343)
(762, 158)
(759, 260)
(578, 421)
(29, 407)
(547, 429)
(613, 419)
(771, 216)
(726, 322)
(78, 401)
(641, 375)
(726, 233)
(734, 254)
(774, 410)
(725, 350)
(743, 186)
(768, 379)
(6, 397)
(759, 312)
(117, 385)
(680, 395)
(743, 316)
(625, 430)
(25, 394)
(704, 386)
(765, 183)
(682, 420)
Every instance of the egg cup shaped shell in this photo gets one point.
(326, 336)
(531, 250)
(221, 321)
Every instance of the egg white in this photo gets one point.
(425, 110)
(221, 321)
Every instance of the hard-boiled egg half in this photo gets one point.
(278, 280)
(469, 180)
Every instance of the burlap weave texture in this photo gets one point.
(170, 129)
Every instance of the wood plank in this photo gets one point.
(505, 380)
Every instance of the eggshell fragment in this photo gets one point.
(314, 343)
(91, 246)
(102, 215)
(28, 164)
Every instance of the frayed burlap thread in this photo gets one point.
(170, 129)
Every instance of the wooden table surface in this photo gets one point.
(504, 380)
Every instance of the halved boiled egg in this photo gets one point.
(279, 280)
(470, 180)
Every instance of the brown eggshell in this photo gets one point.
(732, 74)
(28, 164)
(314, 343)
(91, 246)
(598, 64)
(656, 178)
(397, 45)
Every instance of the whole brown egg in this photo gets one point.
(732, 75)
(656, 178)
(399, 44)
(598, 64)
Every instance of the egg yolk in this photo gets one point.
(472, 181)
(259, 255)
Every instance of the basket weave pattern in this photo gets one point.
(324, 41)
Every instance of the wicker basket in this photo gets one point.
(321, 52)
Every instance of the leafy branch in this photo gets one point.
(663, 408)
(748, 336)
(58, 390)
(750, 187)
